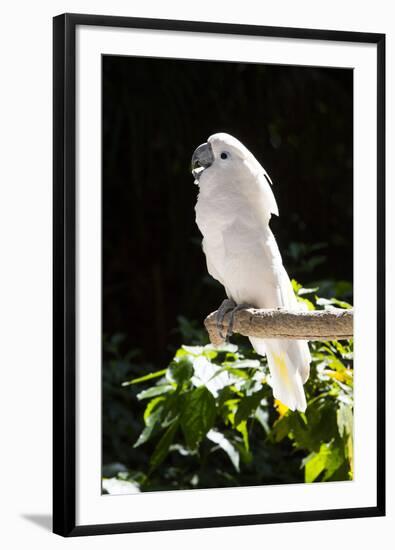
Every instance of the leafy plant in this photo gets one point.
(212, 400)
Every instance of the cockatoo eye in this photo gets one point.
(224, 155)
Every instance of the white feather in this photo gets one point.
(233, 211)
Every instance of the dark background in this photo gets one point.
(297, 121)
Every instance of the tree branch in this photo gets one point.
(328, 324)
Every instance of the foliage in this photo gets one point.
(121, 412)
(210, 419)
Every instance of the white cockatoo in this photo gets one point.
(233, 211)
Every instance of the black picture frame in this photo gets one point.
(64, 273)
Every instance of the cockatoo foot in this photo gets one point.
(227, 306)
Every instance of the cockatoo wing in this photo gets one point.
(211, 268)
(268, 198)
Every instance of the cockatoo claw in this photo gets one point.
(226, 306)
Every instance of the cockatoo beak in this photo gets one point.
(202, 158)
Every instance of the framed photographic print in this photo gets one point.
(219, 242)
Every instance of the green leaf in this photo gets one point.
(146, 434)
(342, 303)
(296, 286)
(242, 428)
(114, 486)
(280, 429)
(154, 391)
(321, 423)
(303, 291)
(181, 353)
(229, 392)
(149, 376)
(237, 372)
(210, 354)
(162, 448)
(180, 371)
(263, 418)
(328, 458)
(207, 374)
(334, 460)
(344, 420)
(152, 417)
(193, 350)
(246, 364)
(315, 464)
(154, 407)
(224, 347)
(232, 452)
(197, 415)
(245, 454)
(247, 406)
(333, 301)
(309, 305)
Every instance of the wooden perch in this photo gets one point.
(327, 324)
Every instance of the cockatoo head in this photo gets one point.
(222, 154)
(225, 161)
